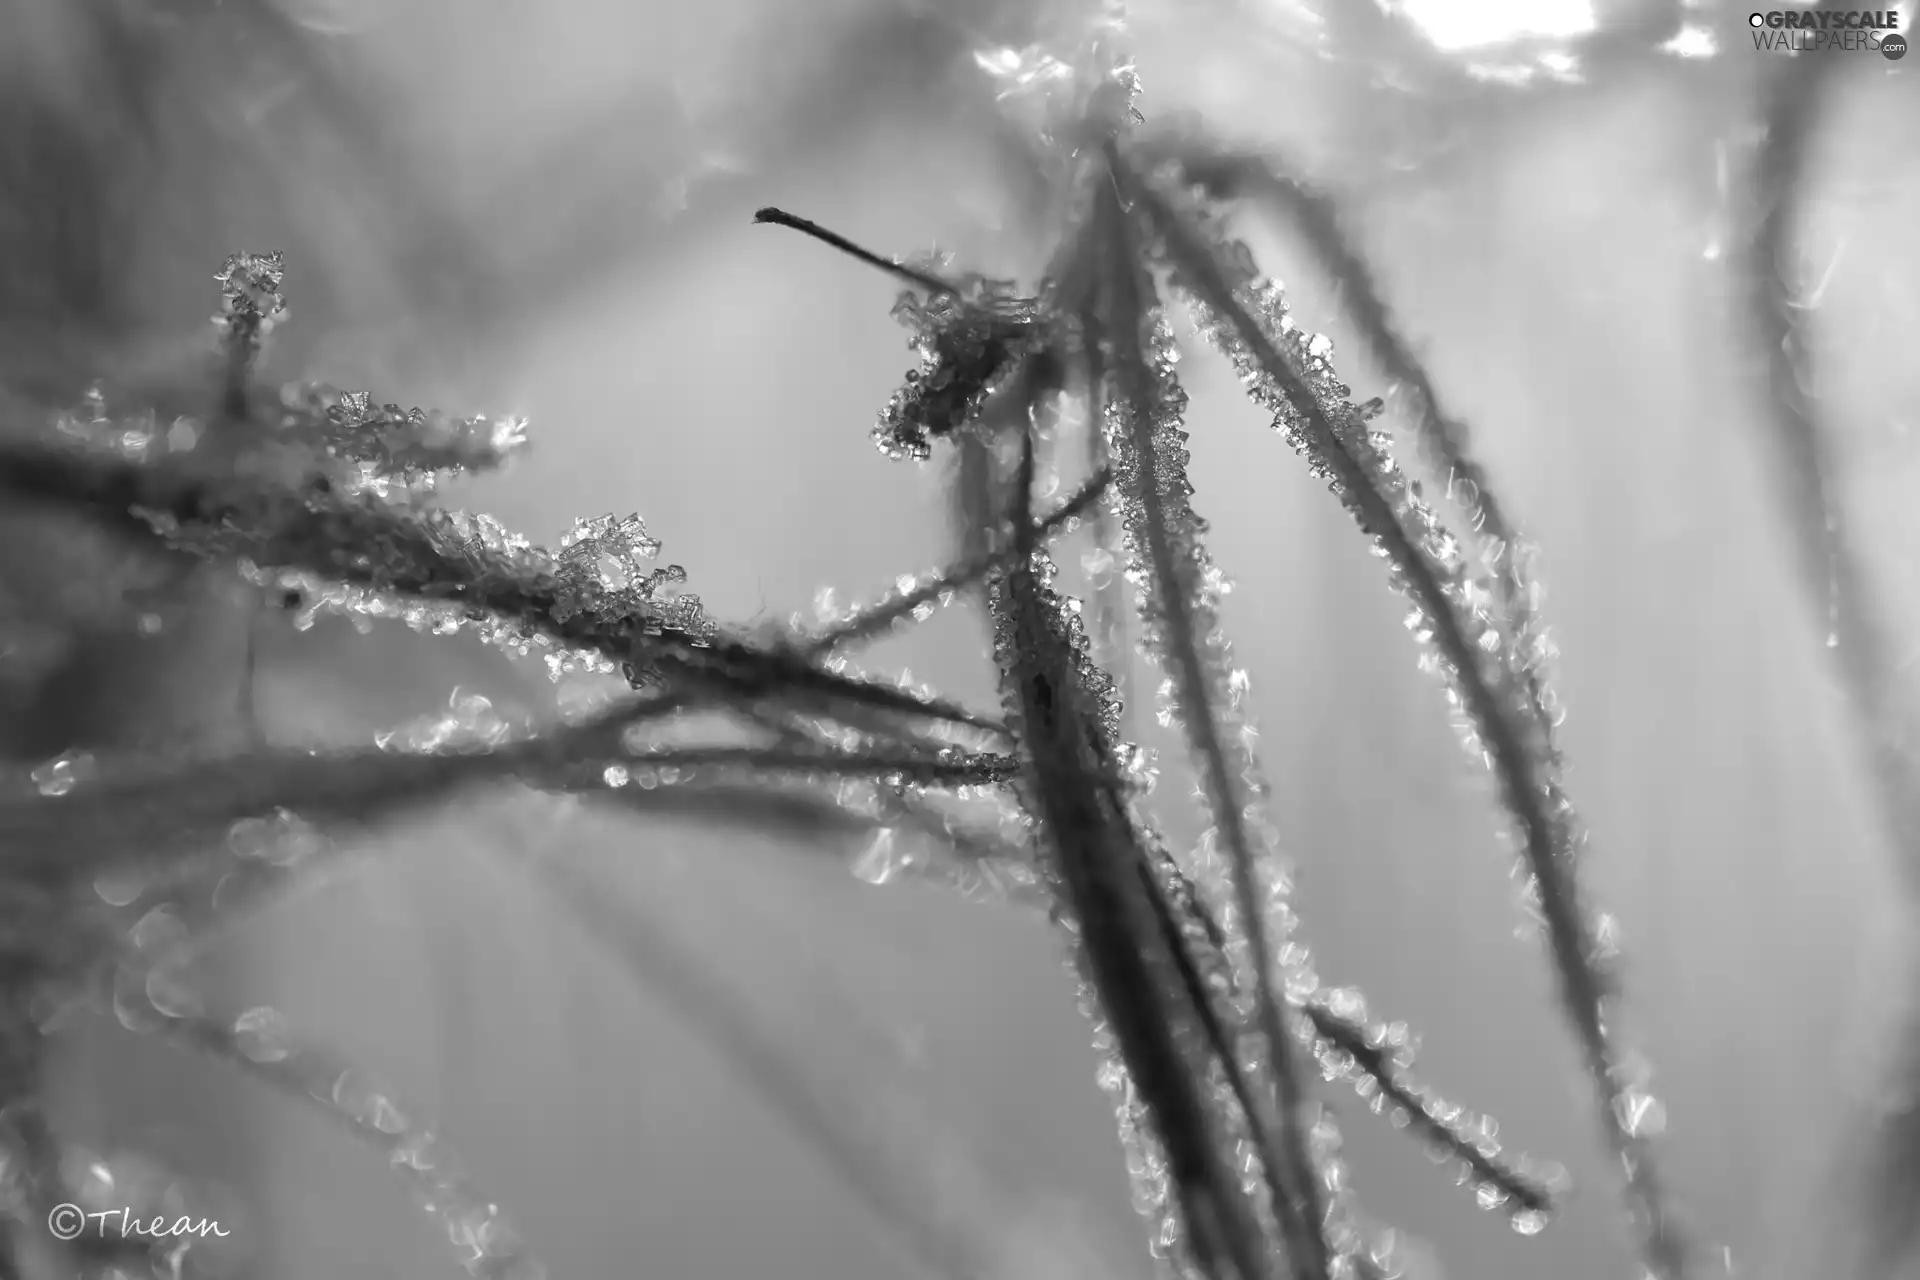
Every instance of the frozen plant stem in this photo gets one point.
(1445, 439)
(1138, 972)
(430, 555)
(874, 622)
(1145, 419)
(1505, 723)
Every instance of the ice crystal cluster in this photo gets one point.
(1215, 1027)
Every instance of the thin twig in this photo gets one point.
(881, 617)
(925, 280)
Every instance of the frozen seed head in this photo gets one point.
(969, 348)
(971, 333)
(250, 298)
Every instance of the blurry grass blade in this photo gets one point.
(1831, 567)
(857, 1153)
(948, 769)
(151, 813)
(133, 822)
(154, 814)
(1877, 1233)
(259, 1043)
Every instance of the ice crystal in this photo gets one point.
(394, 447)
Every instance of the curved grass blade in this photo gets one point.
(837, 1134)
(258, 1043)
(134, 822)
(1879, 1231)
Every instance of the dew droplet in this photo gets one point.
(159, 928)
(131, 1007)
(261, 1034)
(1641, 1114)
(879, 862)
(120, 888)
(60, 775)
(1528, 1222)
(169, 992)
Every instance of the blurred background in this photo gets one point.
(545, 208)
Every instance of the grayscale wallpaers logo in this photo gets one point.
(1817, 31)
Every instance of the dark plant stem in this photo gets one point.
(922, 279)
(1444, 439)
